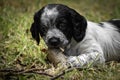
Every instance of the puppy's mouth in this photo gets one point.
(54, 46)
(59, 48)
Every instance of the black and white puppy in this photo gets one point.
(84, 41)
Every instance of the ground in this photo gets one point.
(18, 51)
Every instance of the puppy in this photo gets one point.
(83, 41)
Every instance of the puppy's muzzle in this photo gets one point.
(54, 42)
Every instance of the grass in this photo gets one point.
(19, 51)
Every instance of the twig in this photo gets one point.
(66, 71)
(17, 72)
(22, 70)
(43, 73)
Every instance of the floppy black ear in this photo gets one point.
(35, 31)
(79, 25)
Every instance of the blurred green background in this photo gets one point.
(18, 50)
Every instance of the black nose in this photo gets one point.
(54, 41)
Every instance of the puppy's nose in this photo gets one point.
(54, 41)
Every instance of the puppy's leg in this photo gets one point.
(92, 54)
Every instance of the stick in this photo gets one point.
(17, 72)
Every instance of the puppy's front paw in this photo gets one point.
(73, 61)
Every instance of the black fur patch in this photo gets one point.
(115, 23)
(77, 21)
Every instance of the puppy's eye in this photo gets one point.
(43, 29)
(62, 26)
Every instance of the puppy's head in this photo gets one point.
(57, 24)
